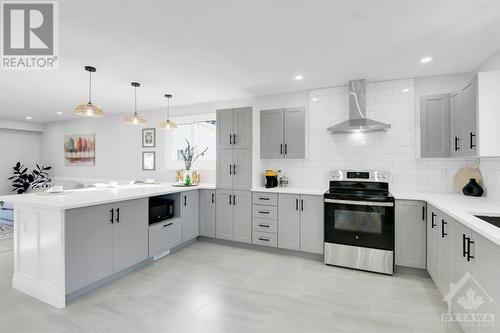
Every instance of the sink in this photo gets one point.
(495, 220)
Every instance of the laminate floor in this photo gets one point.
(209, 287)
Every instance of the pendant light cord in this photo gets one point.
(90, 87)
(135, 101)
(168, 108)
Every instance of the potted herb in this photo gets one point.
(23, 181)
(189, 155)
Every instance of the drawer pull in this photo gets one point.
(168, 224)
(264, 239)
(263, 198)
(263, 212)
(264, 225)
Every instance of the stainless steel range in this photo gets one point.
(359, 221)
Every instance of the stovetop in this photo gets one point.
(359, 185)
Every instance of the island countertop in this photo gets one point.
(96, 196)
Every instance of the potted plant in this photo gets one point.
(23, 182)
(189, 155)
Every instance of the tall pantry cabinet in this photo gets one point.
(234, 175)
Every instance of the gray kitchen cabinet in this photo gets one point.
(432, 243)
(224, 169)
(289, 221)
(242, 216)
(487, 256)
(272, 133)
(410, 233)
(282, 133)
(104, 239)
(207, 213)
(312, 223)
(445, 224)
(164, 236)
(242, 137)
(234, 128)
(190, 214)
(224, 128)
(295, 143)
(130, 233)
(89, 245)
(435, 126)
(224, 214)
(463, 119)
(242, 169)
(456, 137)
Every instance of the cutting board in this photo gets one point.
(463, 176)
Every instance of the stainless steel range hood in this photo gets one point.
(357, 113)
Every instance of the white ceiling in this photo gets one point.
(203, 51)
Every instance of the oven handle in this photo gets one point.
(359, 203)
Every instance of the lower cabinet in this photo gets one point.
(164, 236)
(233, 215)
(410, 234)
(207, 213)
(300, 222)
(104, 239)
(190, 214)
(432, 242)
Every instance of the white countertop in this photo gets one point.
(292, 190)
(462, 209)
(97, 196)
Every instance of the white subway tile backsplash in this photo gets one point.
(394, 150)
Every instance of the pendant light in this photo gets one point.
(89, 109)
(135, 118)
(167, 123)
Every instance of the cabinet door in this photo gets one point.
(432, 243)
(207, 213)
(295, 133)
(89, 245)
(242, 169)
(130, 233)
(271, 134)
(242, 227)
(242, 135)
(444, 240)
(190, 213)
(289, 221)
(435, 126)
(410, 218)
(469, 113)
(224, 128)
(488, 274)
(224, 214)
(224, 173)
(312, 223)
(456, 133)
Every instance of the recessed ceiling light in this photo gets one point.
(298, 77)
(29, 117)
(314, 99)
(426, 60)
(59, 113)
(405, 90)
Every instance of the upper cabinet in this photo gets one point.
(435, 125)
(234, 128)
(282, 133)
(464, 123)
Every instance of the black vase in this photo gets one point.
(473, 189)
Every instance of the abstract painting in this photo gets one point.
(79, 149)
(148, 138)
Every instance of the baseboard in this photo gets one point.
(39, 290)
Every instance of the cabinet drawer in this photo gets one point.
(164, 236)
(264, 238)
(264, 212)
(267, 199)
(265, 225)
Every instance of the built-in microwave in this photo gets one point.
(160, 209)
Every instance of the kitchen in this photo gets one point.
(356, 184)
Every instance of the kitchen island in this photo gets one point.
(68, 243)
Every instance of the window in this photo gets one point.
(200, 132)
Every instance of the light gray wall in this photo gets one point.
(118, 146)
(16, 146)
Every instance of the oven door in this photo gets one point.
(360, 223)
